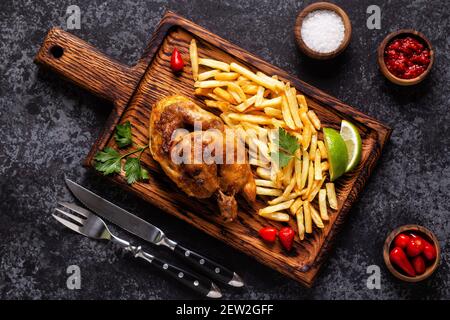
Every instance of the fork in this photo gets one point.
(92, 226)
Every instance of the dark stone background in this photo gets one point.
(47, 127)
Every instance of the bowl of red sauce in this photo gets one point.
(405, 57)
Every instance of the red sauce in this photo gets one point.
(407, 58)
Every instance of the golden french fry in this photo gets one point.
(259, 96)
(194, 59)
(210, 84)
(307, 213)
(207, 74)
(233, 86)
(276, 216)
(250, 89)
(227, 120)
(306, 137)
(323, 204)
(279, 85)
(252, 76)
(221, 105)
(300, 223)
(312, 147)
(302, 103)
(278, 207)
(331, 194)
(257, 119)
(287, 172)
(235, 95)
(305, 170)
(215, 64)
(266, 183)
(287, 113)
(272, 112)
(226, 76)
(262, 132)
(314, 119)
(202, 92)
(323, 149)
(264, 173)
(310, 179)
(298, 168)
(317, 166)
(268, 192)
(293, 105)
(306, 122)
(325, 166)
(289, 188)
(316, 218)
(215, 97)
(315, 189)
(282, 198)
(274, 103)
(225, 95)
(296, 205)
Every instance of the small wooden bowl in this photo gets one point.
(424, 232)
(322, 6)
(383, 67)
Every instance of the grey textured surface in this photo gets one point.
(47, 127)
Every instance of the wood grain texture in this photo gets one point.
(157, 81)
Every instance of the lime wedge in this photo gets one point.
(352, 140)
(337, 152)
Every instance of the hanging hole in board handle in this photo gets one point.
(56, 51)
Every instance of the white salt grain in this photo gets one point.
(323, 31)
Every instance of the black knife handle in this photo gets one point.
(197, 283)
(210, 268)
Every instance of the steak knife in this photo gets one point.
(152, 234)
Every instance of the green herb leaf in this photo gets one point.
(134, 171)
(123, 134)
(108, 161)
(287, 145)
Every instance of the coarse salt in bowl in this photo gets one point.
(323, 31)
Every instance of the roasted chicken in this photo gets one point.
(211, 174)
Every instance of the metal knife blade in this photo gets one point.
(149, 232)
(115, 214)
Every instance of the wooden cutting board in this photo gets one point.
(134, 90)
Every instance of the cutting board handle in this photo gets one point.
(81, 63)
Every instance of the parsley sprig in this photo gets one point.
(109, 160)
(287, 146)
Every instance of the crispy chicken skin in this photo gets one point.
(208, 177)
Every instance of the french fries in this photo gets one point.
(214, 64)
(226, 76)
(278, 207)
(194, 59)
(331, 195)
(323, 204)
(207, 74)
(257, 105)
(276, 216)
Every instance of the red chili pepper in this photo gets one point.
(399, 258)
(176, 61)
(429, 250)
(415, 246)
(268, 233)
(401, 240)
(418, 264)
(286, 236)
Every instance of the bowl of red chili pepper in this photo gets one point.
(405, 57)
(411, 253)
